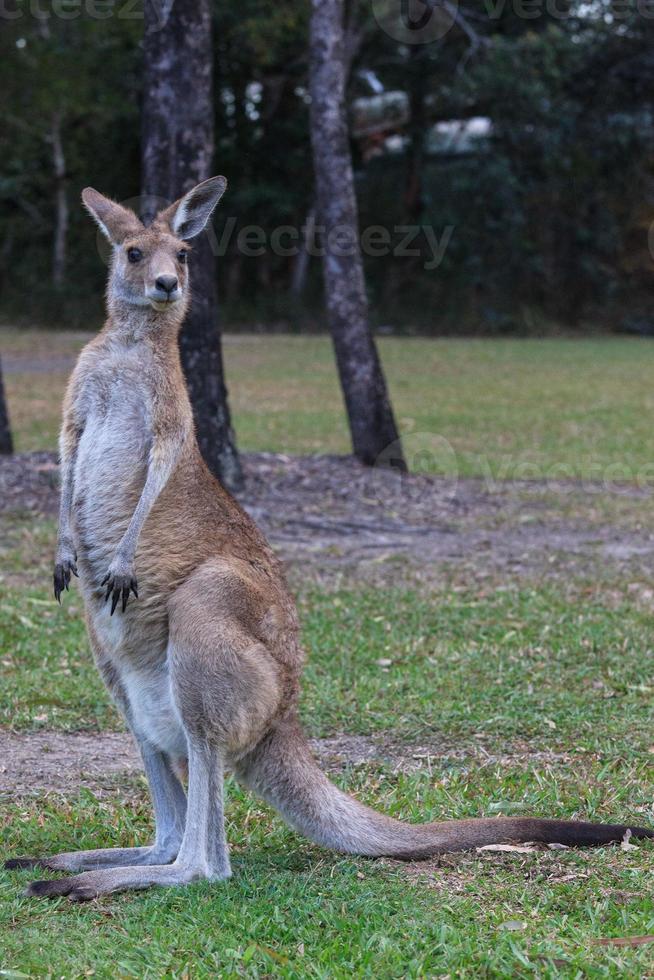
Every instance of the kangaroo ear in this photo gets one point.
(188, 216)
(115, 222)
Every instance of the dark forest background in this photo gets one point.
(523, 136)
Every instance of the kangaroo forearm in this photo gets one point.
(65, 505)
(65, 563)
(153, 487)
(69, 442)
(162, 464)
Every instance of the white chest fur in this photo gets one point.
(114, 407)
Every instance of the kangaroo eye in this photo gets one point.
(182, 256)
(134, 254)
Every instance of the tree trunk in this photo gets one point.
(6, 445)
(364, 387)
(61, 204)
(177, 152)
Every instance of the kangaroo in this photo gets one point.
(189, 617)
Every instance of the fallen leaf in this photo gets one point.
(273, 954)
(624, 843)
(513, 925)
(624, 941)
(518, 848)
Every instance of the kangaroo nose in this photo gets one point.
(166, 283)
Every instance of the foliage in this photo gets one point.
(549, 215)
(85, 72)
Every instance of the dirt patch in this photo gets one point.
(61, 762)
(53, 761)
(330, 517)
(29, 482)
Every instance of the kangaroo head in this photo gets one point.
(149, 264)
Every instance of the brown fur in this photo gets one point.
(205, 664)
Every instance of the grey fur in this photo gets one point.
(204, 658)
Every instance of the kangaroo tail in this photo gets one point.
(282, 770)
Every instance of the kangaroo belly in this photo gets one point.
(110, 472)
(153, 712)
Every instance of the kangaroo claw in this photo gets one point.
(61, 577)
(119, 588)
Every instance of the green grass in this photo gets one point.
(508, 408)
(514, 664)
(291, 910)
(539, 698)
(523, 672)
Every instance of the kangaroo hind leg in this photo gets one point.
(167, 793)
(169, 803)
(224, 682)
(198, 856)
(226, 690)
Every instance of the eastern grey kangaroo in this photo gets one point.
(188, 614)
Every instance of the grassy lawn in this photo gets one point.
(503, 682)
(511, 665)
(536, 698)
(509, 408)
(292, 910)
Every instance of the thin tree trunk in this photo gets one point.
(368, 406)
(61, 203)
(177, 152)
(6, 444)
(301, 264)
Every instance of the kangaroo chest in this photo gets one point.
(112, 457)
